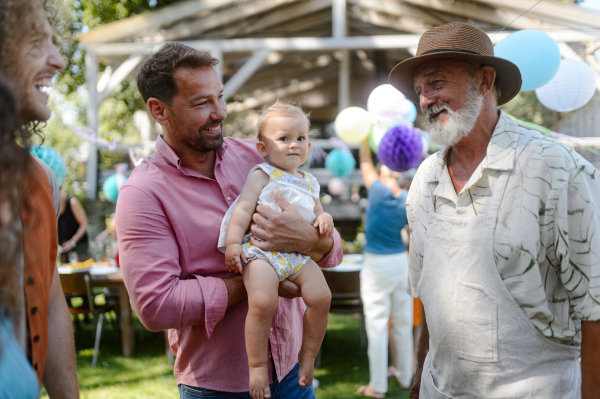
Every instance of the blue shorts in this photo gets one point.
(288, 388)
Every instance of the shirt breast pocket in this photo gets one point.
(477, 324)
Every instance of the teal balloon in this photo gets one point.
(535, 53)
(53, 159)
(340, 163)
(111, 187)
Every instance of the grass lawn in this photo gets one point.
(147, 375)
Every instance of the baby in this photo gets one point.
(283, 141)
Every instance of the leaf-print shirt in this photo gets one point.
(547, 238)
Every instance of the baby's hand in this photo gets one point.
(325, 224)
(234, 256)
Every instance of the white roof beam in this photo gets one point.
(551, 10)
(484, 13)
(286, 14)
(388, 21)
(270, 96)
(119, 75)
(132, 26)
(245, 72)
(214, 20)
(315, 43)
(398, 9)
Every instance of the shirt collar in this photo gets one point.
(500, 153)
(173, 159)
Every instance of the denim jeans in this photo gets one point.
(288, 388)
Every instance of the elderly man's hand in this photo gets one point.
(284, 231)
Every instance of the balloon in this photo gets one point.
(384, 103)
(111, 187)
(335, 186)
(340, 163)
(426, 145)
(53, 159)
(401, 148)
(534, 52)
(572, 87)
(352, 125)
(408, 111)
(376, 134)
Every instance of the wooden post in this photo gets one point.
(91, 65)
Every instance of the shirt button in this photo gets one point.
(228, 198)
(36, 339)
(34, 310)
(30, 281)
(271, 329)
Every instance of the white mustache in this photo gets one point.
(434, 109)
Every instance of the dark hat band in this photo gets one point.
(451, 50)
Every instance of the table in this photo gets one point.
(112, 277)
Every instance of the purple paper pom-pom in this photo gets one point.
(400, 148)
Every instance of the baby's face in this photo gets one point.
(285, 140)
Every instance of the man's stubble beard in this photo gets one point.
(195, 140)
(460, 122)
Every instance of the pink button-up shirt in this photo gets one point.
(168, 220)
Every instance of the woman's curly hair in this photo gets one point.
(14, 164)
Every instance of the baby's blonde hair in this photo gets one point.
(278, 109)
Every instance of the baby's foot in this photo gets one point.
(307, 370)
(259, 382)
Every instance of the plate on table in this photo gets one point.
(350, 263)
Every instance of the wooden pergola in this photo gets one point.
(327, 54)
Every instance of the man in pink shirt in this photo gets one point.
(168, 218)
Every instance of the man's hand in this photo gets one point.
(287, 231)
(235, 258)
(324, 223)
(289, 290)
(236, 291)
(421, 354)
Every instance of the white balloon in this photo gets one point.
(385, 104)
(572, 87)
(335, 186)
(353, 125)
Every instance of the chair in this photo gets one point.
(78, 284)
(345, 299)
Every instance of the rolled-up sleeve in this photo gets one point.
(335, 255)
(149, 257)
(577, 238)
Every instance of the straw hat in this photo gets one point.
(458, 41)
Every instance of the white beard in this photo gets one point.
(459, 124)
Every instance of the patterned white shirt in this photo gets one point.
(547, 238)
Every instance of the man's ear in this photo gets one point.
(487, 76)
(261, 148)
(158, 110)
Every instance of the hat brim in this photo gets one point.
(508, 76)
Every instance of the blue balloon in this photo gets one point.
(535, 53)
(53, 159)
(111, 187)
(340, 163)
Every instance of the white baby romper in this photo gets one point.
(300, 192)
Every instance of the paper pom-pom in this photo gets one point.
(401, 148)
(335, 186)
(111, 187)
(53, 159)
(340, 163)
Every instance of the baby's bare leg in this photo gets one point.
(317, 297)
(261, 283)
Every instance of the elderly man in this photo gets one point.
(30, 59)
(168, 219)
(505, 235)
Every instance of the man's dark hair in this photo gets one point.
(155, 76)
